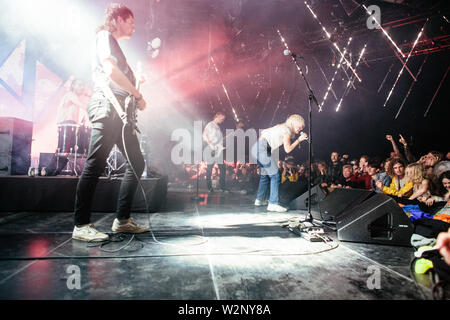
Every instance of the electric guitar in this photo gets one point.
(131, 103)
(217, 148)
(127, 113)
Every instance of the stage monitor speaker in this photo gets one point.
(340, 200)
(379, 220)
(301, 202)
(15, 146)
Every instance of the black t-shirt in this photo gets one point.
(106, 46)
(334, 172)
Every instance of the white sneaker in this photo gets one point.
(276, 208)
(261, 202)
(88, 233)
(128, 226)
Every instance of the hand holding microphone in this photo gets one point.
(303, 136)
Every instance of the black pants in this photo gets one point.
(105, 134)
(209, 169)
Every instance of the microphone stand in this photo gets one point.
(197, 198)
(311, 97)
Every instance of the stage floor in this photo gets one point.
(223, 248)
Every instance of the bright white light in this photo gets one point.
(403, 67)
(334, 44)
(155, 43)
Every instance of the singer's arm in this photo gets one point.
(288, 145)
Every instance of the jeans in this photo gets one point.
(105, 134)
(270, 175)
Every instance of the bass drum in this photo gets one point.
(67, 138)
(84, 138)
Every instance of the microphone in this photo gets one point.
(301, 132)
(290, 53)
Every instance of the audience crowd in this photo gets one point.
(408, 179)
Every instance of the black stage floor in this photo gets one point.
(223, 248)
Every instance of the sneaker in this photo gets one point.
(88, 233)
(261, 202)
(276, 208)
(211, 190)
(128, 226)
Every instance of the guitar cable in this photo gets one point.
(145, 199)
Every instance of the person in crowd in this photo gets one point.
(264, 151)
(355, 166)
(410, 158)
(361, 177)
(348, 180)
(443, 193)
(443, 243)
(345, 159)
(292, 183)
(290, 171)
(430, 160)
(373, 169)
(414, 173)
(335, 168)
(396, 153)
(388, 167)
(322, 179)
(399, 186)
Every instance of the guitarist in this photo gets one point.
(214, 139)
(111, 72)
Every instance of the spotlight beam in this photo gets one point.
(411, 86)
(350, 81)
(407, 59)
(392, 42)
(384, 31)
(278, 106)
(335, 73)
(236, 118)
(435, 93)
(334, 43)
(325, 77)
(385, 77)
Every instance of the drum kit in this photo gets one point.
(73, 143)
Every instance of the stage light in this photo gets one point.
(334, 43)
(351, 81)
(384, 31)
(155, 43)
(335, 73)
(403, 67)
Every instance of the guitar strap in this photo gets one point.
(113, 100)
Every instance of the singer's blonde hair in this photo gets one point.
(295, 119)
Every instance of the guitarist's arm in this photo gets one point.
(205, 138)
(116, 75)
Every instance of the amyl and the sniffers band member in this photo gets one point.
(264, 149)
(111, 72)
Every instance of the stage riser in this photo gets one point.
(57, 194)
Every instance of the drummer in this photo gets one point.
(72, 104)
